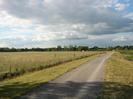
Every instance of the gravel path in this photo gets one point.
(81, 83)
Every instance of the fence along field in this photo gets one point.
(17, 63)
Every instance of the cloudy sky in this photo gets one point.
(48, 23)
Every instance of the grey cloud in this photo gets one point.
(96, 17)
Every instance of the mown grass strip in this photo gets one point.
(20, 85)
(118, 78)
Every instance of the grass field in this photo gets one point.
(17, 63)
(128, 54)
(118, 77)
(15, 87)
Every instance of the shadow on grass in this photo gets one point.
(113, 90)
(69, 90)
(14, 90)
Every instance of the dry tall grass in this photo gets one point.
(13, 64)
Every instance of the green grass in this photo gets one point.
(118, 78)
(16, 63)
(128, 54)
(17, 86)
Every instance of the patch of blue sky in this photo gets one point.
(5, 29)
(130, 7)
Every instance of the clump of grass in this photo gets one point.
(118, 78)
(17, 86)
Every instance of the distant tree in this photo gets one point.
(83, 48)
(66, 48)
(59, 48)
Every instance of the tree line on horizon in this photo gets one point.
(67, 48)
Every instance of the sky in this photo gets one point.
(48, 23)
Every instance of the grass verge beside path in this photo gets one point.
(118, 78)
(17, 86)
(128, 54)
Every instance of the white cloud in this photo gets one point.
(11, 21)
(49, 20)
(3, 44)
(129, 15)
(120, 6)
(90, 16)
(121, 38)
(105, 3)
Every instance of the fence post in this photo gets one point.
(10, 69)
